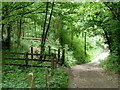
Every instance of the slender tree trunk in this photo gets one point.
(8, 39)
(35, 27)
(60, 32)
(44, 35)
(85, 43)
(19, 32)
(23, 30)
(4, 14)
(108, 40)
(71, 38)
(42, 42)
(2, 30)
(61, 38)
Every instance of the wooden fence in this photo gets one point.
(55, 58)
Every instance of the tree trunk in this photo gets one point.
(35, 27)
(8, 39)
(60, 33)
(44, 35)
(85, 43)
(2, 30)
(108, 40)
(42, 42)
(19, 32)
(71, 38)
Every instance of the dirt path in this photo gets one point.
(91, 75)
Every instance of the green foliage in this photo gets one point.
(22, 48)
(112, 63)
(69, 58)
(78, 51)
(14, 79)
(31, 43)
(67, 23)
(17, 77)
(76, 45)
(59, 80)
(95, 52)
(94, 46)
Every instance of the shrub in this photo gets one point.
(76, 46)
(112, 63)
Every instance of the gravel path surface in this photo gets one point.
(91, 75)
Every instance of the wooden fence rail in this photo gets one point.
(54, 58)
(22, 65)
(23, 53)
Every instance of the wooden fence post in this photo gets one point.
(52, 61)
(52, 64)
(58, 55)
(31, 52)
(47, 77)
(49, 52)
(44, 56)
(26, 59)
(63, 56)
(55, 60)
(31, 81)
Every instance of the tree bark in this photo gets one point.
(71, 38)
(108, 39)
(8, 39)
(85, 43)
(19, 31)
(42, 41)
(44, 35)
(2, 30)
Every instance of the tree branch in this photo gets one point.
(17, 8)
(32, 11)
(112, 11)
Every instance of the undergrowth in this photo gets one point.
(17, 77)
(76, 48)
(112, 63)
(69, 58)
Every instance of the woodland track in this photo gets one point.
(91, 75)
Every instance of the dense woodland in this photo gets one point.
(83, 30)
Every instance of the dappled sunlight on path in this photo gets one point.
(91, 75)
(97, 60)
